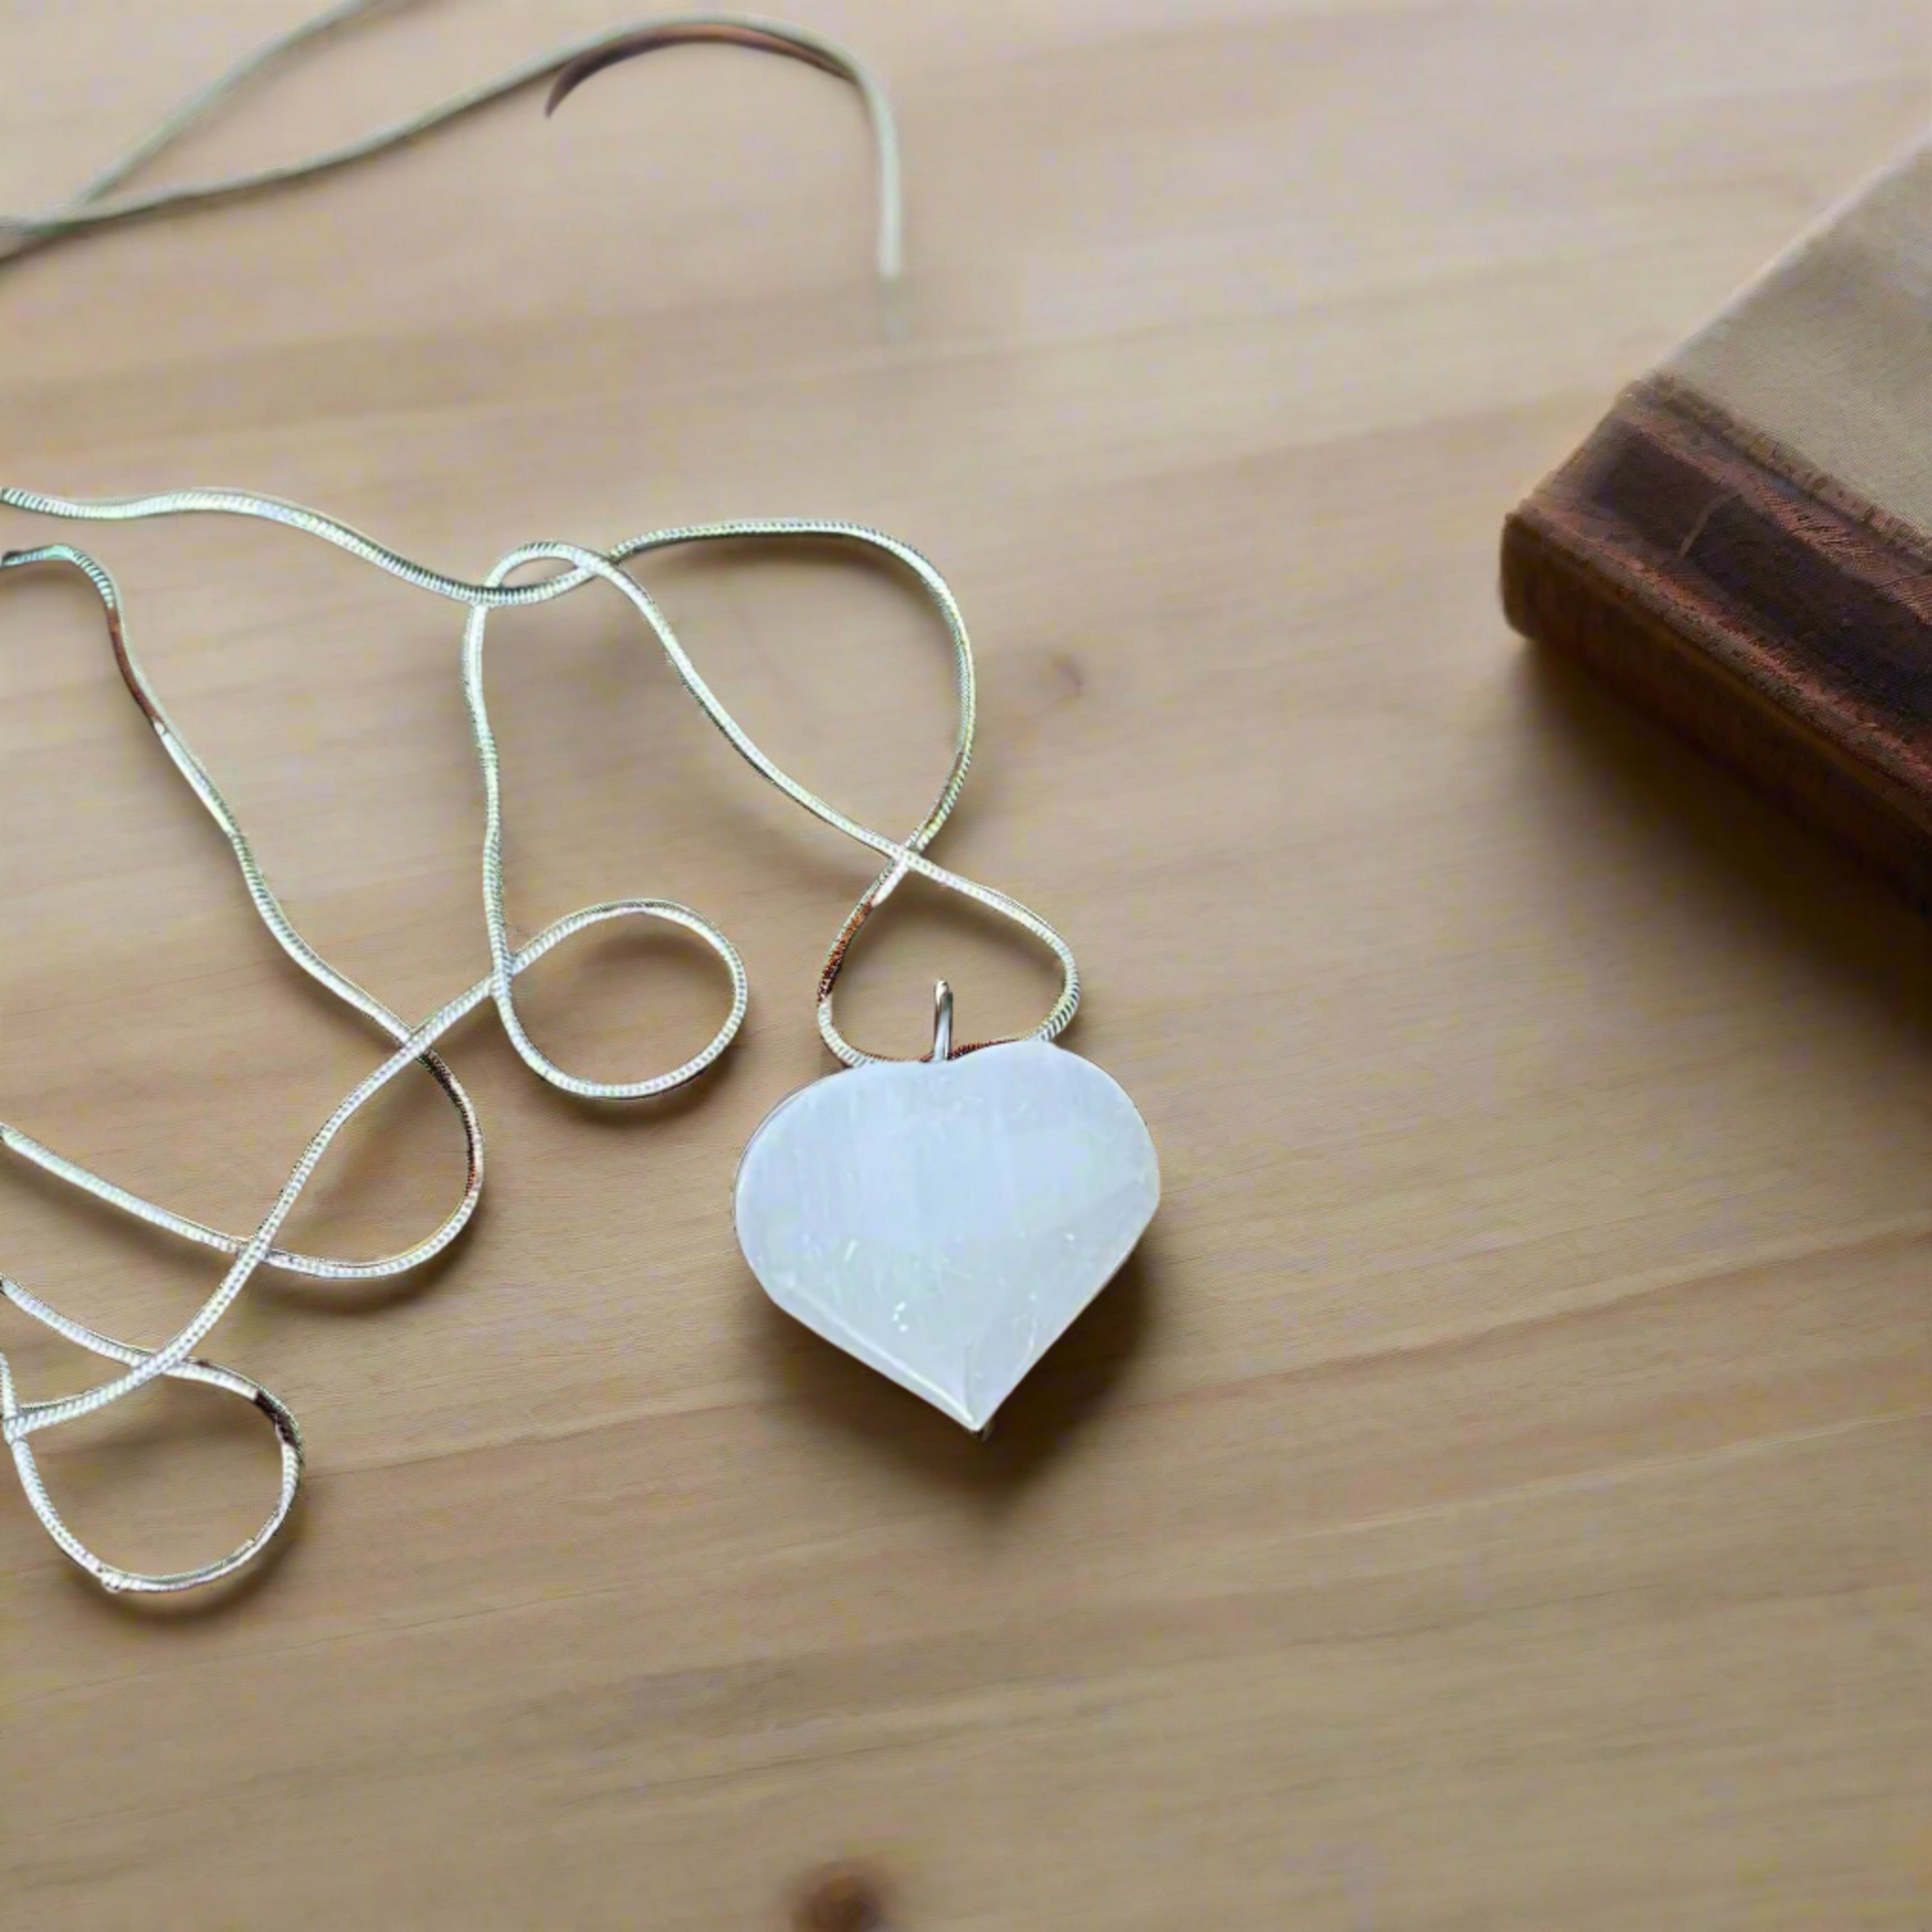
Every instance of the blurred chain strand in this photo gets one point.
(96, 206)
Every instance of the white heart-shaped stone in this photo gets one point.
(945, 1223)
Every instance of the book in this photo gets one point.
(1743, 544)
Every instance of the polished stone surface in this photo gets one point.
(945, 1223)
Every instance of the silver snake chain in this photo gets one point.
(572, 567)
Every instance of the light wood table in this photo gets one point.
(1498, 1496)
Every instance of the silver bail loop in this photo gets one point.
(942, 1023)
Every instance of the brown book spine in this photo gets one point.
(1756, 608)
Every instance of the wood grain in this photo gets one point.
(1497, 1496)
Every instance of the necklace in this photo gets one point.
(943, 1220)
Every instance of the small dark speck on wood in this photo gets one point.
(839, 1899)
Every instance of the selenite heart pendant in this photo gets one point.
(945, 1220)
